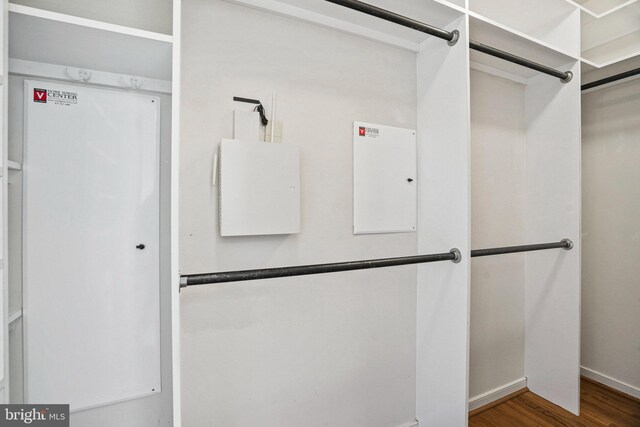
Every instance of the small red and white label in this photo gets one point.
(40, 95)
(368, 132)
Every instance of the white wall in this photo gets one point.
(498, 142)
(611, 232)
(155, 410)
(335, 349)
(150, 15)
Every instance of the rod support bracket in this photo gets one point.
(456, 37)
(183, 282)
(568, 78)
(569, 244)
(457, 255)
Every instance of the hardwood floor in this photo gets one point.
(600, 406)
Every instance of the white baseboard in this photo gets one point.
(496, 394)
(611, 382)
(410, 424)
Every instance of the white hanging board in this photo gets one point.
(91, 195)
(259, 188)
(384, 179)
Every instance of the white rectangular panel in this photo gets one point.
(442, 360)
(553, 212)
(384, 179)
(246, 125)
(259, 188)
(91, 291)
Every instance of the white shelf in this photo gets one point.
(497, 36)
(439, 13)
(615, 51)
(15, 316)
(556, 28)
(53, 38)
(14, 165)
(613, 38)
(601, 8)
(89, 23)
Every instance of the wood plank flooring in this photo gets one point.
(600, 406)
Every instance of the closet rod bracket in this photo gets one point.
(457, 255)
(455, 37)
(568, 78)
(569, 244)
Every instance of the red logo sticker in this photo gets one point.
(40, 95)
(362, 131)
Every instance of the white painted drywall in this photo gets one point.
(611, 232)
(150, 15)
(155, 410)
(498, 143)
(336, 349)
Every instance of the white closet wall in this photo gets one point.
(611, 233)
(498, 148)
(335, 349)
(256, 344)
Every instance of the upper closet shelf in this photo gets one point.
(601, 8)
(15, 166)
(498, 37)
(556, 28)
(438, 13)
(614, 51)
(54, 38)
(613, 38)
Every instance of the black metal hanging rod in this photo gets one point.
(563, 244)
(611, 79)
(564, 76)
(453, 255)
(450, 36)
(303, 270)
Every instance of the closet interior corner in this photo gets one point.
(525, 187)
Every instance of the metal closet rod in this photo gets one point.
(303, 270)
(563, 244)
(450, 36)
(611, 79)
(453, 255)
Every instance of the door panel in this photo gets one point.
(91, 245)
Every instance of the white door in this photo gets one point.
(91, 237)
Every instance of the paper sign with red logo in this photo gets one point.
(40, 95)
